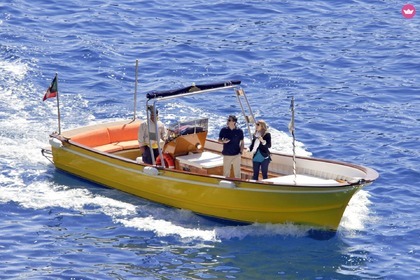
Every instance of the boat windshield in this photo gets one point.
(188, 127)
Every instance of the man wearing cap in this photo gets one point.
(143, 136)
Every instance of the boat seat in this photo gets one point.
(118, 146)
(97, 137)
(111, 139)
(304, 180)
(121, 133)
(202, 160)
(110, 148)
(126, 145)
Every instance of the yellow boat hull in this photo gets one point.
(236, 200)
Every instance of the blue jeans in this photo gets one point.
(264, 168)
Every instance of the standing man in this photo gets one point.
(232, 138)
(143, 136)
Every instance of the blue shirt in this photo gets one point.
(235, 136)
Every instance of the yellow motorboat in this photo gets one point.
(299, 190)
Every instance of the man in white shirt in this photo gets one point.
(143, 137)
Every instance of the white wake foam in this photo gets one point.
(357, 213)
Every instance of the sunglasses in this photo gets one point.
(258, 124)
(230, 120)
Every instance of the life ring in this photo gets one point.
(168, 159)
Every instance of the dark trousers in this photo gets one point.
(264, 168)
(147, 157)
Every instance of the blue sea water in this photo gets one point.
(352, 66)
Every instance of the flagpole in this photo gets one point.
(58, 106)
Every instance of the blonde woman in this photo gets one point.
(261, 142)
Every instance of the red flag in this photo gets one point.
(52, 91)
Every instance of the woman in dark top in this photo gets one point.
(261, 142)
